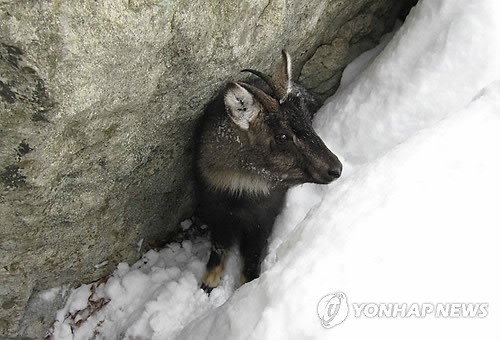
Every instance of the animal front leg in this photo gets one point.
(252, 247)
(215, 268)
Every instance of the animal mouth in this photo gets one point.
(319, 180)
(311, 176)
(323, 181)
(325, 178)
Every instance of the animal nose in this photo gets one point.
(335, 173)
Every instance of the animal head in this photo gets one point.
(276, 128)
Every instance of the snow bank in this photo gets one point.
(420, 224)
(414, 219)
(445, 53)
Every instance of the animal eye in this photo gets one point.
(281, 139)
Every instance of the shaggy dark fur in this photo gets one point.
(254, 142)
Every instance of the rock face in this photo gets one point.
(98, 100)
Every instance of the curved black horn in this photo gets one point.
(280, 82)
(270, 103)
(278, 90)
(262, 76)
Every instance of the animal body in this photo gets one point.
(255, 141)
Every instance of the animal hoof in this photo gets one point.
(206, 288)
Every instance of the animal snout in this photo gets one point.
(333, 168)
(327, 172)
(334, 173)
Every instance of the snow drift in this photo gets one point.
(414, 219)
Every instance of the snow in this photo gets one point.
(445, 52)
(50, 294)
(414, 219)
(154, 298)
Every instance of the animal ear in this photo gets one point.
(282, 77)
(241, 105)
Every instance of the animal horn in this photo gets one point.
(280, 81)
(266, 100)
(262, 76)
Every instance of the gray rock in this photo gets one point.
(41, 309)
(98, 100)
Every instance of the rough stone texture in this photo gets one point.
(98, 100)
